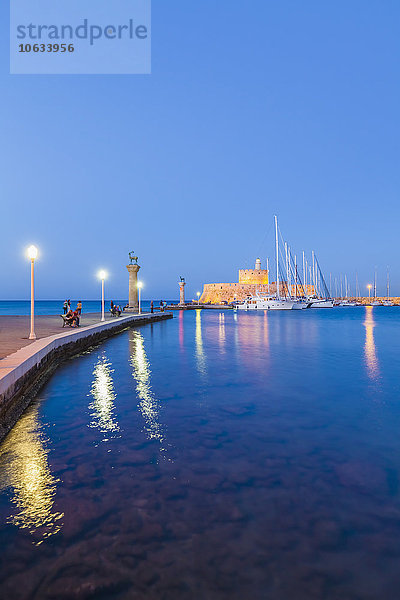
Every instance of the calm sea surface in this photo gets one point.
(55, 307)
(218, 455)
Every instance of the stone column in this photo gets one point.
(133, 289)
(182, 292)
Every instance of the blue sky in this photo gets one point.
(252, 109)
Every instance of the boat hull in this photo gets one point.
(321, 303)
(300, 305)
(265, 304)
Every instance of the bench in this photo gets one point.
(69, 321)
(66, 321)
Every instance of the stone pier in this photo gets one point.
(24, 372)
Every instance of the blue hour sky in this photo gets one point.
(252, 109)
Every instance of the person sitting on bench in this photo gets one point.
(75, 318)
(68, 318)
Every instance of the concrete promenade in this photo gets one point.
(26, 364)
(14, 330)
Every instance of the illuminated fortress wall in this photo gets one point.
(215, 293)
(253, 276)
(251, 281)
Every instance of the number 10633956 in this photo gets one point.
(46, 48)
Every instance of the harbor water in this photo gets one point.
(218, 455)
(55, 307)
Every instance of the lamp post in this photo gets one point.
(32, 255)
(139, 286)
(369, 286)
(198, 298)
(102, 275)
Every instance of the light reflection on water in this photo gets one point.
(181, 329)
(269, 473)
(222, 332)
(371, 358)
(103, 405)
(148, 403)
(24, 469)
(266, 338)
(200, 356)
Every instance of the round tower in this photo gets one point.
(258, 265)
(182, 291)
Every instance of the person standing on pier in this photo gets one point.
(152, 306)
(65, 307)
(79, 307)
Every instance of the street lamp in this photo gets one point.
(102, 275)
(139, 286)
(32, 255)
(198, 297)
(369, 286)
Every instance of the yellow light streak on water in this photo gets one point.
(222, 332)
(103, 404)
(371, 359)
(24, 469)
(201, 361)
(148, 404)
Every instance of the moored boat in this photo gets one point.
(320, 303)
(300, 304)
(264, 303)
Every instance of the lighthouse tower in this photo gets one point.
(258, 265)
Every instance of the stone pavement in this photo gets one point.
(14, 330)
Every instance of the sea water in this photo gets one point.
(55, 307)
(218, 455)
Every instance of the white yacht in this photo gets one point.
(348, 303)
(315, 302)
(264, 303)
(300, 303)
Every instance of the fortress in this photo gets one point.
(250, 282)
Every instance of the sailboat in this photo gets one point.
(387, 302)
(346, 302)
(261, 302)
(375, 302)
(319, 299)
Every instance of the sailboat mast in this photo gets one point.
(375, 284)
(277, 257)
(287, 269)
(313, 271)
(305, 278)
(295, 275)
(387, 284)
(268, 274)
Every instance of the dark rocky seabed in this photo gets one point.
(216, 456)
